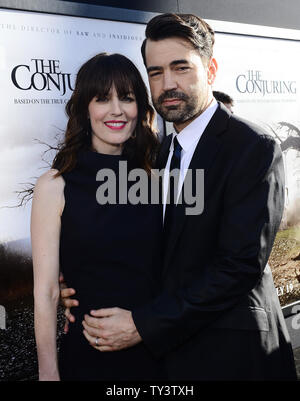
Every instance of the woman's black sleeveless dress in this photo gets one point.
(110, 254)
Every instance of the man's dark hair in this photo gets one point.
(186, 26)
(223, 97)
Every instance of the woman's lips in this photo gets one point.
(115, 125)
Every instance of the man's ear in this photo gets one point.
(212, 71)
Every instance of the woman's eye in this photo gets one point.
(128, 99)
(102, 99)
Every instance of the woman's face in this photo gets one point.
(113, 121)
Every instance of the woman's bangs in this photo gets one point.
(101, 84)
(113, 75)
(122, 83)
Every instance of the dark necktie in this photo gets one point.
(173, 180)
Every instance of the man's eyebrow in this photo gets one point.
(154, 68)
(172, 64)
(175, 62)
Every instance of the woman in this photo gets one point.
(108, 252)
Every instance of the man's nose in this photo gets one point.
(169, 81)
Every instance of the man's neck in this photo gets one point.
(180, 126)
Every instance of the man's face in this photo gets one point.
(180, 81)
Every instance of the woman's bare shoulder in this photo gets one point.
(49, 188)
(48, 180)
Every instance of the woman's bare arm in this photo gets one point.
(47, 206)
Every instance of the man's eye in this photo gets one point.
(183, 68)
(154, 74)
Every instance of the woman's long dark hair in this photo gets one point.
(95, 78)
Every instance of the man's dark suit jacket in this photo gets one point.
(218, 316)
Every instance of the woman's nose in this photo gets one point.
(116, 107)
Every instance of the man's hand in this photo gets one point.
(110, 329)
(65, 294)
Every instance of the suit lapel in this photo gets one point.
(203, 157)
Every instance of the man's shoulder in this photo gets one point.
(245, 132)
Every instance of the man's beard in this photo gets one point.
(177, 113)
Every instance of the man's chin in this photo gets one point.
(171, 115)
(175, 118)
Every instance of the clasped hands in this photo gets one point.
(107, 329)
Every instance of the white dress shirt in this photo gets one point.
(188, 139)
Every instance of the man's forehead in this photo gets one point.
(172, 41)
(168, 49)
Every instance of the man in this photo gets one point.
(225, 99)
(218, 315)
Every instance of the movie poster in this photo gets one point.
(262, 76)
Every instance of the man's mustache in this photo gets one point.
(172, 94)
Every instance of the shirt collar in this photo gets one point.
(192, 132)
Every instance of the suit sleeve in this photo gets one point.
(253, 206)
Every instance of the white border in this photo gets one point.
(253, 30)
